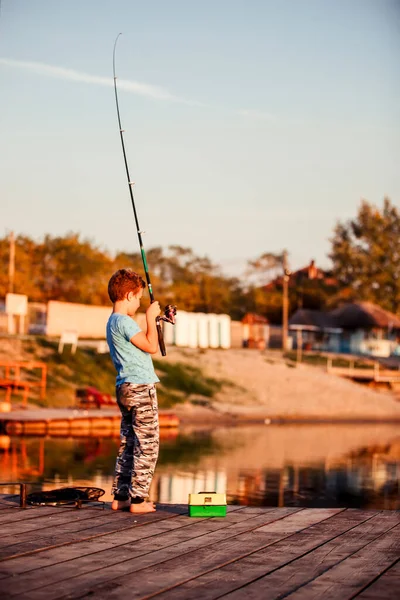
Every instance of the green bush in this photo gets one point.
(186, 379)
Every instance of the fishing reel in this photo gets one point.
(169, 314)
(168, 317)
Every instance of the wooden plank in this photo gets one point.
(292, 563)
(15, 515)
(35, 541)
(244, 571)
(78, 531)
(301, 520)
(71, 532)
(6, 509)
(85, 573)
(43, 521)
(347, 579)
(184, 548)
(9, 502)
(168, 571)
(290, 549)
(124, 537)
(128, 534)
(88, 552)
(385, 588)
(64, 520)
(372, 374)
(87, 512)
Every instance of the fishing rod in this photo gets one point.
(170, 310)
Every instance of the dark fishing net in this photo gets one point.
(67, 495)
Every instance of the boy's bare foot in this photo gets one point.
(120, 504)
(142, 508)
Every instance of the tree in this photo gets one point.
(366, 255)
(264, 268)
(260, 298)
(57, 268)
(74, 270)
(24, 278)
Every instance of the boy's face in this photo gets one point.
(134, 301)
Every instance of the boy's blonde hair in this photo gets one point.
(122, 282)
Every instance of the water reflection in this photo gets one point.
(347, 465)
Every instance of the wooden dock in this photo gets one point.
(104, 422)
(376, 373)
(254, 553)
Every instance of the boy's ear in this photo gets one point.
(129, 296)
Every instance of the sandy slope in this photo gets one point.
(265, 386)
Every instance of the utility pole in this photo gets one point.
(11, 263)
(285, 301)
(299, 344)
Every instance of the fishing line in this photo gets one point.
(170, 310)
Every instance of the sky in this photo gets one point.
(250, 126)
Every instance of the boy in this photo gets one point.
(130, 350)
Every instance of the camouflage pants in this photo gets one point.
(138, 451)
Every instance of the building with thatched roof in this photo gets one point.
(356, 327)
(316, 329)
(308, 317)
(365, 315)
(368, 328)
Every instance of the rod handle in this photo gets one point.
(160, 337)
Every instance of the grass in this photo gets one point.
(187, 379)
(180, 381)
(66, 372)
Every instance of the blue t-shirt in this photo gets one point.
(132, 364)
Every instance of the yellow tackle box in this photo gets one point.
(207, 504)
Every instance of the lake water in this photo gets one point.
(299, 465)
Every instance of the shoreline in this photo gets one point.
(260, 385)
(215, 386)
(215, 420)
(106, 422)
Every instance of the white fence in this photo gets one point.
(199, 330)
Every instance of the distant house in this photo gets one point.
(367, 316)
(367, 328)
(318, 329)
(357, 327)
(310, 272)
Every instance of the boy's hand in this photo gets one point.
(154, 310)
